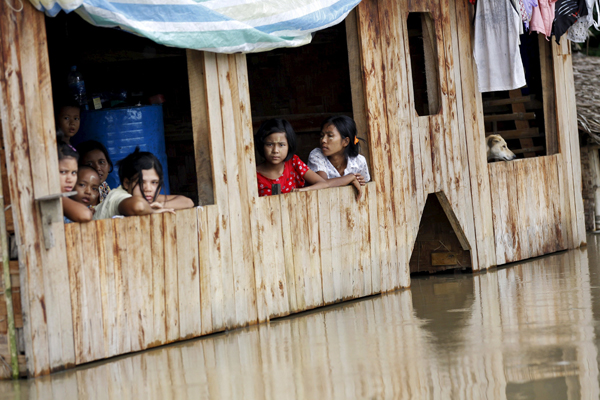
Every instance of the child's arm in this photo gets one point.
(314, 180)
(136, 205)
(175, 201)
(75, 211)
(345, 180)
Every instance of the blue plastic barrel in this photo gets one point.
(121, 130)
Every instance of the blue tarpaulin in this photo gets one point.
(222, 26)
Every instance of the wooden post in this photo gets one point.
(12, 340)
(594, 158)
(32, 165)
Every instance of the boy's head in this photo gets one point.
(67, 121)
(88, 181)
(275, 125)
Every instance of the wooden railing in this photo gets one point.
(529, 210)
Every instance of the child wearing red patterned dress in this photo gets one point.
(275, 141)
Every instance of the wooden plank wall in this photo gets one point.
(537, 203)
(136, 283)
(414, 156)
(30, 145)
(528, 211)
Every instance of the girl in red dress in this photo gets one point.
(275, 141)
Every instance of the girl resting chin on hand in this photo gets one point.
(275, 141)
(141, 178)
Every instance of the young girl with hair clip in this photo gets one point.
(95, 155)
(141, 176)
(338, 159)
(67, 166)
(275, 142)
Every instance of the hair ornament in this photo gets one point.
(355, 139)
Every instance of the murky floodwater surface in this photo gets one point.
(528, 331)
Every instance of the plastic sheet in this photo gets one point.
(221, 26)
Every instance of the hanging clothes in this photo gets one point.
(496, 52)
(542, 17)
(517, 6)
(567, 13)
(578, 32)
(526, 10)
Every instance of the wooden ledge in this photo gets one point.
(51, 211)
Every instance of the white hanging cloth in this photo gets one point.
(578, 32)
(496, 52)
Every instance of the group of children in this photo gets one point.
(336, 162)
(84, 169)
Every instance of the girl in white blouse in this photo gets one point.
(338, 159)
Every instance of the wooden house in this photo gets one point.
(92, 291)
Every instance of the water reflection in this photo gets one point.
(528, 331)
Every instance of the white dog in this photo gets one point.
(497, 149)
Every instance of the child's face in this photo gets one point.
(150, 181)
(87, 187)
(276, 148)
(331, 141)
(68, 121)
(67, 168)
(97, 160)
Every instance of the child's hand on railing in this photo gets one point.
(158, 208)
(359, 187)
(361, 179)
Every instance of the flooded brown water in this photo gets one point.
(527, 331)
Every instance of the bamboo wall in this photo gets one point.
(139, 282)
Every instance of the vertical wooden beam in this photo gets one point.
(356, 82)
(226, 102)
(374, 81)
(200, 126)
(475, 138)
(568, 142)
(548, 101)
(30, 143)
(7, 285)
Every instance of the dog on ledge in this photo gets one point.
(497, 149)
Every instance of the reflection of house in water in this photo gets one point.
(522, 332)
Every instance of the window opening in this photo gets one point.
(525, 117)
(424, 63)
(306, 85)
(138, 94)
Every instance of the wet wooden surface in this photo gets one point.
(526, 331)
(526, 209)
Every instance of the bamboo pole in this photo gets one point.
(12, 343)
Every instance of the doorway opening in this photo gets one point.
(441, 243)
